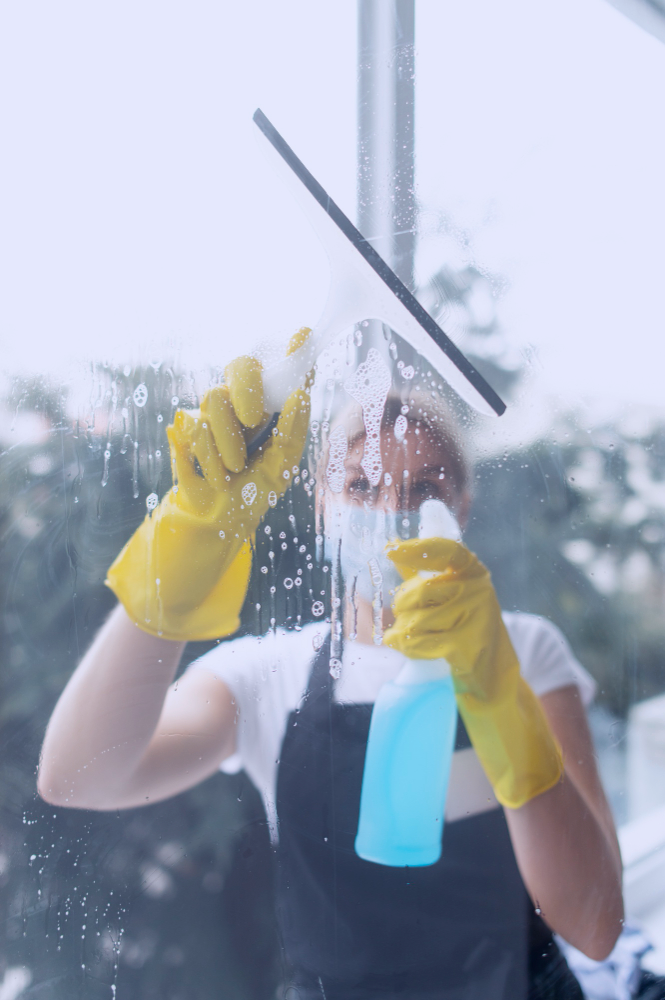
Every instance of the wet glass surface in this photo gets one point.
(146, 242)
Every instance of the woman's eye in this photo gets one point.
(426, 489)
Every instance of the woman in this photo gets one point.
(479, 922)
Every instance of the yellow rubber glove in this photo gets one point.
(456, 615)
(184, 573)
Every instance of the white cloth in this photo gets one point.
(618, 976)
(268, 677)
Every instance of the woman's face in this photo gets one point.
(415, 469)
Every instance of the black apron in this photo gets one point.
(461, 929)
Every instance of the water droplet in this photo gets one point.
(317, 642)
(174, 400)
(303, 548)
(318, 609)
(140, 394)
(286, 474)
(264, 569)
(400, 427)
(298, 582)
(272, 498)
(151, 501)
(222, 534)
(408, 372)
(288, 583)
(335, 667)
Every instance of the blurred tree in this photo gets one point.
(175, 900)
(150, 900)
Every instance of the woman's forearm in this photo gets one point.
(569, 867)
(107, 714)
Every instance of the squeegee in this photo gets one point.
(362, 287)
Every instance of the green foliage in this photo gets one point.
(151, 899)
(176, 898)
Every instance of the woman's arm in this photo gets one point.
(122, 735)
(565, 842)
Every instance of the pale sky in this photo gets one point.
(136, 210)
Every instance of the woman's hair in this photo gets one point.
(423, 409)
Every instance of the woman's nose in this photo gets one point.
(388, 497)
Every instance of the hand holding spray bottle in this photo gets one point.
(410, 748)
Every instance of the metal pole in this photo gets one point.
(386, 197)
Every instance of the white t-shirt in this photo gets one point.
(268, 677)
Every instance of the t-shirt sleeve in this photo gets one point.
(546, 659)
(240, 664)
(266, 676)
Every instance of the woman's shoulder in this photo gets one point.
(546, 658)
(280, 656)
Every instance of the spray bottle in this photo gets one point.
(410, 748)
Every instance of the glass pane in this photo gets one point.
(314, 751)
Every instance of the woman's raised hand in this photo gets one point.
(184, 572)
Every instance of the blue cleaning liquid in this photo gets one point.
(407, 766)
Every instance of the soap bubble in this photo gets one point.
(288, 582)
(317, 642)
(408, 372)
(336, 471)
(151, 501)
(369, 385)
(335, 667)
(318, 609)
(140, 394)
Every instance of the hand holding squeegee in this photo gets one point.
(362, 287)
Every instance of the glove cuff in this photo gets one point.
(514, 743)
(216, 616)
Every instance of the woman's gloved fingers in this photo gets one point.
(434, 592)
(244, 380)
(434, 555)
(181, 439)
(206, 454)
(416, 645)
(440, 621)
(286, 445)
(298, 339)
(226, 428)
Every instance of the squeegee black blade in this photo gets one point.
(378, 264)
